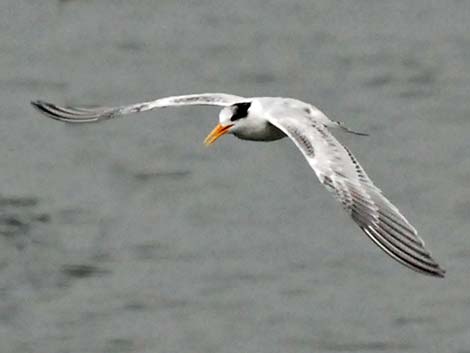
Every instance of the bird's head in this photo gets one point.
(229, 118)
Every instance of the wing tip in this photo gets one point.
(425, 265)
(38, 104)
(44, 108)
(440, 272)
(66, 115)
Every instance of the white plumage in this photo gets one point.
(272, 118)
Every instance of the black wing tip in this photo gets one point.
(71, 115)
(38, 104)
(425, 265)
(46, 108)
(42, 106)
(440, 272)
(437, 271)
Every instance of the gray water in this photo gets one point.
(131, 236)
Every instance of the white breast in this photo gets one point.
(257, 130)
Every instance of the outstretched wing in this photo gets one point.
(340, 172)
(91, 115)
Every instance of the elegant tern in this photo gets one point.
(273, 118)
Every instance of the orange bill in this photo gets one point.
(218, 131)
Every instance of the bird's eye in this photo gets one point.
(240, 110)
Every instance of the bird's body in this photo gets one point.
(258, 131)
(258, 128)
(273, 118)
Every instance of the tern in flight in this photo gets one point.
(273, 118)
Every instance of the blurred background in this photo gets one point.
(131, 236)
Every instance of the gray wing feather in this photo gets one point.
(341, 173)
(90, 115)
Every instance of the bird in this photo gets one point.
(274, 118)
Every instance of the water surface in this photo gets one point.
(131, 236)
